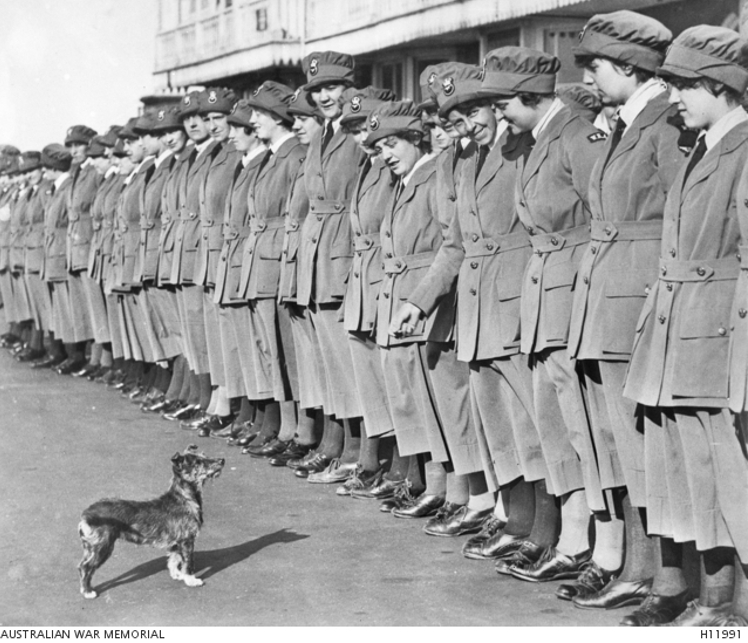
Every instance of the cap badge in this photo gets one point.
(258, 90)
(70, 132)
(234, 107)
(187, 100)
(313, 66)
(356, 104)
(432, 78)
(295, 96)
(212, 98)
(161, 114)
(374, 123)
(448, 86)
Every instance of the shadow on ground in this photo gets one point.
(206, 563)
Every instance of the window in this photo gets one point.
(261, 19)
(560, 42)
(392, 77)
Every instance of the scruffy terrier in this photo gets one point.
(171, 521)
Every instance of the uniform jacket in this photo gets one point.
(214, 191)
(410, 236)
(18, 228)
(34, 241)
(325, 250)
(6, 198)
(374, 187)
(235, 231)
(127, 230)
(266, 201)
(188, 232)
(552, 203)
(627, 198)
(738, 355)
(297, 207)
(86, 181)
(170, 215)
(55, 233)
(488, 248)
(103, 215)
(680, 354)
(150, 223)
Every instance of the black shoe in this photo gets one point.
(184, 412)
(553, 565)
(9, 339)
(524, 556)
(617, 593)
(592, 579)
(473, 548)
(316, 464)
(110, 377)
(84, 372)
(657, 610)
(99, 372)
(49, 361)
(293, 451)
(500, 545)
(462, 521)
(69, 366)
(195, 421)
(422, 506)
(30, 355)
(214, 423)
(246, 435)
(149, 402)
(265, 448)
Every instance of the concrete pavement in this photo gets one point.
(274, 550)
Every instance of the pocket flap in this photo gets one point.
(559, 275)
(706, 322)
(631, 283)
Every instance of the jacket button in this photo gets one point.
(742, 312)
(662, 319)
(358, 254)
(586, 280)
(388, 255)
(663, 270)
(452, 197)
(537, 251)
(647, 290)
(472, 212)
(722, 332)
(358, 234)
(285, 252)
(386, 295)
(388, 234)
(473, 264)
(475, 238)
(554, 241)
(319, 218)
(608, 230)
(521, 204)
(398, 264)
(531, 230)
(593, 250)
(669, 286)
(355, 274)
(534, 280)
(700, 271)
(314, 240)
(472, 291)
(489, 246)
(321, 198)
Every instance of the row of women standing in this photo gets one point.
(481, 309)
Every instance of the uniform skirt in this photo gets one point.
(312, 390)
(232, 368)
(213, 338)
(369, 377)
(6, 291)
(40, 299)
(288, 349)
(96, 306)
(504, 415)
(133, 328)
(412, 402)
(81, 319)
(697, 477)
(21, 297)
(192, 320)
(270, 370)
(61, 314)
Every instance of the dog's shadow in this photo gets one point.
(206, 563)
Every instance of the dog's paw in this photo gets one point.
(89, 594)
(193, 581)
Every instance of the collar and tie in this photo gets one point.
(615, 138)
(482, 155)
(327, 135)
(696, 156)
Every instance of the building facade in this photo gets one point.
(239, 43)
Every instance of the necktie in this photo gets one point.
(482, 154)
(698, 154)
(327, 135)
(399, 190)
(615, 138)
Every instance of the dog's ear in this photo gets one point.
(177, 458)
(191, 449)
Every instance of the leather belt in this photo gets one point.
(486, 246)
(683, 271)
(607, 231)
(397, 265)
(555, 241)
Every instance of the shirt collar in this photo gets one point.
(639, 100)
(500, 129)
(601, 122)
(142, 163)
(109, 171)
(554, 109)
(201, 147)
(260, 149)
(162, 157)
(61, 179)
(424, 159)
(274, 147)
(718, 131)
(335, 123)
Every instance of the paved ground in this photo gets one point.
(274, 550)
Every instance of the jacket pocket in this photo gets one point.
(556, 305)
(625, 293)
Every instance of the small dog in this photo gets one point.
(171, 521)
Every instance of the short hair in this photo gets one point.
(714, 87)
(584, 61)
(533, 100)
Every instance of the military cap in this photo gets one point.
(327, 67)
(712, 52)
(274, 98)
(128, 131)
(119, 149)
(78, 134)
(56, 157)
(144, 124)
(508, 71)
(30, 161)
(457, 83)
(581, 99)
(9, 150)
(627, 37)
(110, 138)
(359, 103)
(215, 99)
(396, 117)
(96, 147)
(240, 114)
(426, 80)
(189, 105)
(9, 165)
(300, 104)
(166, 119)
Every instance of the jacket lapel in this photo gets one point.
(539, 153)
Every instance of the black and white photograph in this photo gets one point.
(373, 313)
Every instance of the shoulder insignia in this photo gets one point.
(597, 136)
